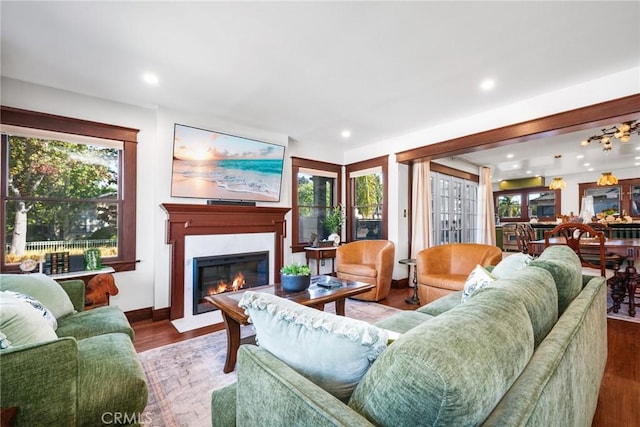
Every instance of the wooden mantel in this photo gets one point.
(190, 220)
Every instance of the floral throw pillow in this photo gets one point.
(477, 279)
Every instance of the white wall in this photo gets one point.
(147, 286)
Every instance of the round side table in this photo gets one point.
(414, 298)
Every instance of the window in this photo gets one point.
(618, 200)
(65, 188)
(316, 188)
(367, 195)
(526, 203)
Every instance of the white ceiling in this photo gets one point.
(311, 69)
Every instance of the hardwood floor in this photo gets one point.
(618, 401)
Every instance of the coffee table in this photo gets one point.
(316, 296)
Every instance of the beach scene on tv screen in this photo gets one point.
(213, 165)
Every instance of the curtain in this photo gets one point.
(421, 207)
(486, 213)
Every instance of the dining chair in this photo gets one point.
(524, 234)
(576, 233)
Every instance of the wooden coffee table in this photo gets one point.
(316, 296)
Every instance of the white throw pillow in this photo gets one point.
(37, 305)
(332, 351)
(511, 264)
(21, 324)
(477, 279)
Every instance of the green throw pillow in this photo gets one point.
(41, 287)
(332, 351)
(511, 264)
(22, 324)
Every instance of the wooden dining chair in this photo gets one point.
(524, 234)
(574, 233)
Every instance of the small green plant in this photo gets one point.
(334, 220)
(295, 269)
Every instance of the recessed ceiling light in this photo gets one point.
(151, 79)
(509, 156)
(346, 133)
(590, 169)
(587, 164)
(515, 166)
(488, 84)
(528, 171)
(580, 156)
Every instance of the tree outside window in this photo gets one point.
(61, 196)
(509, 206)
(316, 190)
(367, 209)
(315, 200)
(367, 196)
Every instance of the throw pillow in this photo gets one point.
(37, 305)
(4, 342)
(332, 351)
(21, 324)
(511, 264)
(41, 287)
(477, 279)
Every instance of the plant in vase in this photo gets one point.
(333, 222)
(295, 277)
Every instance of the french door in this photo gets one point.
(454, 209)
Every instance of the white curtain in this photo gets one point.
(486, 213)
(421, 209)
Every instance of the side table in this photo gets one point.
(320, 254)
(414, 298)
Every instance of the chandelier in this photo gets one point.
(607, 178)
(622, 132)
(557, 184)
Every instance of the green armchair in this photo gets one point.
(88, 376)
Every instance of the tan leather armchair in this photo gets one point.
(444, 269)
(367, 261)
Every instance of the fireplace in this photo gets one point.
(227, 273)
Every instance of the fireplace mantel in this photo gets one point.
(191, 220)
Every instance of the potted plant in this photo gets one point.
(295, 277)
(333, 222)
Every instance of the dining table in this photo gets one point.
(624, 282)
(628, 248)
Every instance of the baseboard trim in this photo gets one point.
(161, 314)
(147, 313)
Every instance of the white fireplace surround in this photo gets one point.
(214, 245)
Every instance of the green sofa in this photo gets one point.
(88, 374)
(529, 349)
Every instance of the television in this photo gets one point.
(221, 167)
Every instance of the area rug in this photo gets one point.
(181, 376)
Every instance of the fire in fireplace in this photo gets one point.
(226, 273)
